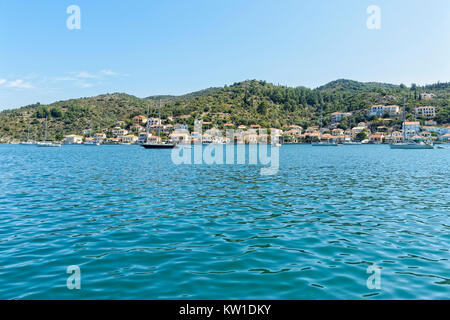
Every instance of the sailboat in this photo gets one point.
(28, 142)
(277, 142)
(408, 143)
(158, 144)
(91, 142)
(46, 143)
(322, 143)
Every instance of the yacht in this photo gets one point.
(46, 143)
(158, 144)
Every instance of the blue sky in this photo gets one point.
(174, 47)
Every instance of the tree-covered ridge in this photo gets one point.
(243, 103)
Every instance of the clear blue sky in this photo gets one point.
(174, 47)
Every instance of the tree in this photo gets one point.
(262, 108)
(361, 136)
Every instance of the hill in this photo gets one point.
(247, 102)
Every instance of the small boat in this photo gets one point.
(352, 143)
(27, 143)
(91, 143)
(440, 147)
(159, 145)
(324, 144)
(48, 144)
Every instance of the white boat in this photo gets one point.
(352, 143)
(324, 144)
(46, 143)
(27, 143)
(91, 143)
(159, 144)
(411, 145)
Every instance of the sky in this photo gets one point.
(146, 47)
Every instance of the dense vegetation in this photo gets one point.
(248, 102)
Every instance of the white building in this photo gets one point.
(73, 139)
(379, 110)
(425, 111)
(338, 116)
(130, 138)
(411, 128)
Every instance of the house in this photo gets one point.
(154, 121)
(338, 116)
(430, 123)
(137, 128)
(119, 132)
(73, 139)
(410, 128)
(140, 120)
(180, 126)
(445, 137)
(427, 95)
(87, 131)
(357, 130)
(242, 127)
(376, 138)
(129, 138)
(337, 132)
(181, 137)
(380, 110)
(99, 137)
(142, 138)
(255, 126)
(376, 110)
(425, 111)
(120, 123)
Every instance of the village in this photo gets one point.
(149, 129)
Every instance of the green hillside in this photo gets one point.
(247, 102)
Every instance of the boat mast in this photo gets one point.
(28, 131)
(404, 119)
(45, 131)
(159, 120)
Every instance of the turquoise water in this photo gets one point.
(140, 227)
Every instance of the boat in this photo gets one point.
(324, 144)
(351, 143)
(91, 143)
(159, 144)
(28, 142)
(46, 143)
(412, 145)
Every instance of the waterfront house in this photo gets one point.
(180, 137)
(119, 132)
(142, 138)
(376, 138)
(73, 139)
(337, 132)
(129, 138)
(99, 137)
(445, 137)
(410, 128)
(425, 111)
